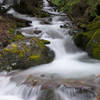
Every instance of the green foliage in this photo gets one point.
(56, 2)
(65, 5)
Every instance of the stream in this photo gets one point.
(69, 62)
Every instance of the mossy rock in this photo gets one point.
(93, 46)
(17, 37)
(24, 54)
(93, 25)
(82, 38)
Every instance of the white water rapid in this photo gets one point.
(70, 62)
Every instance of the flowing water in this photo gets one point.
(70, 62)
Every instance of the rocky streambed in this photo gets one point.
(41, 59)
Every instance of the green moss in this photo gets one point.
(21, 53)
(93, 46)
(45, 41)
(56, 2)
(41, 43)
(0, 55)
(96, 52)
(14, 49)
(83, 25)
(97, 18)
(12, 29)
(35, 57)
(80, 37)
(18, 37)
(93, 25)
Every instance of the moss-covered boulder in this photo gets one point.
(24, 54)
(81, 39)
(89, 39)
(93, 46)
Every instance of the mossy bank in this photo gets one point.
(86, 15)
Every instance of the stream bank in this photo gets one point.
(86, 15)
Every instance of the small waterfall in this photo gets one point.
(66, 93)
(72, 93)
(49, 9)
(45, 3)
(11, 91)
(28, 92)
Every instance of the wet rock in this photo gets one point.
(25, 53)
(48, 94)
(37, 31)
(81, 40)
(20, 22)
(77, 89)
(45, 22)
(64, 26)
(50, 85)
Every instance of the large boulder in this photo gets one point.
(25, 53)
(89, 39)
(81, 39)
